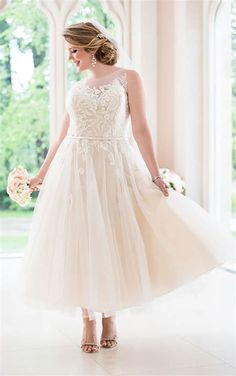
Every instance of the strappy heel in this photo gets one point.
(111, 341)
(94, 345)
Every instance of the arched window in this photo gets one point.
(217, 152)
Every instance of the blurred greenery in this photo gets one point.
(24, 114)
(15, 213)
(12, 243)
(234, 202)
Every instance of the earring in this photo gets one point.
(94, 61)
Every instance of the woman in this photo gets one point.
(107, 233)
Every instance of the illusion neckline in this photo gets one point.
(100, 87)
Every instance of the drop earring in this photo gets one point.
(94, 61)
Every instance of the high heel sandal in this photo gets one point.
(110, 341)
(94, 345)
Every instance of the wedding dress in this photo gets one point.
(103, 236)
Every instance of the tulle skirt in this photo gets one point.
(104, 237)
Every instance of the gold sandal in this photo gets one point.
(83, 343)
(113, 338)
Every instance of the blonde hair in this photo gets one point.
(84, 34)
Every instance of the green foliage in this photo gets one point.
(234, 202)
(9, 243)
(24, 120)
(16, 214)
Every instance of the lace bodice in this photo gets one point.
(99, 111)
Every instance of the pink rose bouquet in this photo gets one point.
(173, 180)
(18, 186)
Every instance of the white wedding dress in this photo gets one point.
(103, 236)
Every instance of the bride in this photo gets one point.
(107, 232)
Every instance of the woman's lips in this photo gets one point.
(77, 64)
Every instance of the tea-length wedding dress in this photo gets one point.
(103, 236)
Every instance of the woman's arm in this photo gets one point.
(51, 152)
(140, 128)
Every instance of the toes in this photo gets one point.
(89, 348)
(107, 343)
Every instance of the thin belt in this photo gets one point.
(97, 137)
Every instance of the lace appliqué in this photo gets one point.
(99, 110)
(122, 78)
(97, 113)
(110, 147)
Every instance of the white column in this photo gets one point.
(57, 12)
(180, 90)
(165, 94)
(144, 52)
(192, 106)
(194, 122)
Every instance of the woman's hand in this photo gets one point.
(162, 185)
(35, 182)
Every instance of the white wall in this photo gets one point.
(180, 90)
(144, 49)
(188, 124)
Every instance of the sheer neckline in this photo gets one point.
(109, 78)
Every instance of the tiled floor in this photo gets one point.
(190, 331)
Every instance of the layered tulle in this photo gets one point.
(103, 235)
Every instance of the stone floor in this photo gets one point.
(190, 331)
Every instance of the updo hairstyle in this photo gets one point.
(84, 34)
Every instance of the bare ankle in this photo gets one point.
(108, 320)
(108, 317)
(89, 322)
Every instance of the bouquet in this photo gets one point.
(18, 186)
(173, 180)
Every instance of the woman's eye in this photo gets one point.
(73, 51)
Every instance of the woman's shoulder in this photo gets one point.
(133, 79)
(133, 74)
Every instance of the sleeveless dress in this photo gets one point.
(103, 236)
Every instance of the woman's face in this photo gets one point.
(79, 57)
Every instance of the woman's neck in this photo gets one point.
(102, 71)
